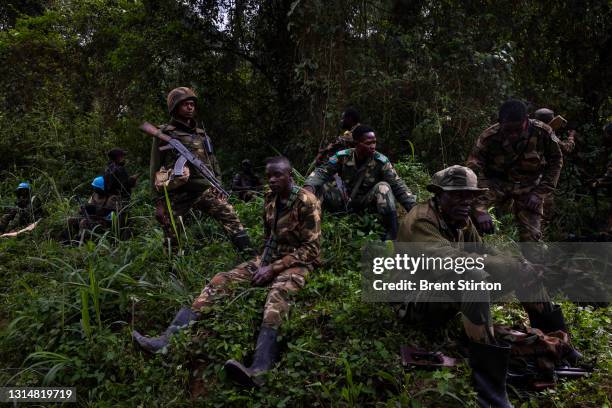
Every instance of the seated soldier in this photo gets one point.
(292, 227)
(444, 224)
(27, 210)
(367, 181)
(246, 183)
(97, 213)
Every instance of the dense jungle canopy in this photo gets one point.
(78, 76)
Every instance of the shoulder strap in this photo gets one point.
(272, 240)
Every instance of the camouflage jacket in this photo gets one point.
(297, 230)
(26, 211)
(101, 205)
(424, 224)
(535, 160)
(344, 141)
(118, 181)
(376, 169)
(196, 140)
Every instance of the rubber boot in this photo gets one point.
(242, 242)
(550, 322)
(266, 353)
(489, 365)
(390, 223)
(156, 344)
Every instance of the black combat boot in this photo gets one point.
(489, 365)
(550, 322)
(390, 223)
(155, 344)
(266, 353)
(242, 242)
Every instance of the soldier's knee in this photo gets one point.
(384, 198)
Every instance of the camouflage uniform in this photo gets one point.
(512, 173)
(297, 232)
(425, 224)
(99, 211)
(375, 185)
(196, 193)
(342, 142)
(24, 214)
(246, 185)
(118, 182)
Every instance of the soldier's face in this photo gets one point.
(279, 177)
(514, 130)
(22, 197)
(186, 109)
(366, 146)
(455, 206)
(346, 122)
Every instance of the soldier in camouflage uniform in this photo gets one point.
(348, 123)
(28, 209)
(369, 180)
(246, 183)
(519, 161)
(444, 224)
(567, 146)
(196, 191)
(96, 214)
(292, 217)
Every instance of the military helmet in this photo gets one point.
(178, 95)
(454, 178)
(98, 183)
(24, 185)
(544, 115)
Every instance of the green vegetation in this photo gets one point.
(67, 313)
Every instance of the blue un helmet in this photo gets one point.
(98, 183)
(24, 185)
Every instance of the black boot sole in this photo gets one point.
(238, 373)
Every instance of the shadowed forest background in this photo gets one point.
(272, 77)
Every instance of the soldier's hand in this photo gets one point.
(262, 275)
(217, 193)
(485, 223)
(533, 202)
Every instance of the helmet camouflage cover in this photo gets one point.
(178, 95)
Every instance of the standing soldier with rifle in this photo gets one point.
(292, 218)
(189, 185)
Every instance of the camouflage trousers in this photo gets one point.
(509, 197)
(207, 202)
(282, 287)
(379, 199)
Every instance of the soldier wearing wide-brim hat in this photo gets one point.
(191, 189)
(443, 227)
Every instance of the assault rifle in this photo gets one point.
(185, 156)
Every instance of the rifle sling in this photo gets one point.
(271, 243)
